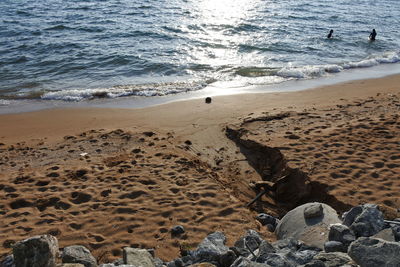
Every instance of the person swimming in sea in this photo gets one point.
(330, 34)
(372, 35)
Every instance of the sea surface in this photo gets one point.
(88, 49)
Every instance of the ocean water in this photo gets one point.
(81, 50)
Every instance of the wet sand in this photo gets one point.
(109, 178)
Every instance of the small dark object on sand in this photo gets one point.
(208, 100)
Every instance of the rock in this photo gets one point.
(137, 257)
(340, 233)
(315, 263)
(72, 265)
(244, 262)
(271, 227)
(312, 231)
(37, 251)
(208, 100)
(264, 250)
(332, 259)
(278, 260)
(373, 252)
(112, 265)
(335, 246)
(287, 252)
(203, 264)
(266, 219)
(249, 242)
(365, 220)
(386, 234)
(313, 211)
(78, 254)
(211, 248)
(157, 261)
(287, 244)
(8, 261)
(177, 230)
(396, 232)
(227, 258)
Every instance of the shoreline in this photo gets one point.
(14, 126)
(213, 90)
(109, 178)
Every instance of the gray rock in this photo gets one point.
(37, 251)
(203, 264)
(8, 261)
(112, 265)
(312, 231)
(271, 227)
(335, 246)
(289, 244)
(244, 262)
(266, 219)
(211, 248)
(288, 252)
(314, 210)
(177, 230)
(349, 216)
(264, 251)
(365, 220)
(226, 259)
(249, 242)
(72, 265)
(341, 233)
(373, 252)
(278, 260)
(302, 256)
(315, 263)
(333, 259)
(386, 234)
(78, 254)
(396, 232)
(137, 257)
(157, 261)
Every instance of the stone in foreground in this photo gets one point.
(137, 257)
(78, 254)
(211, 248)
(365, 220)
(374, 252)
(308, 224)
(37, 251)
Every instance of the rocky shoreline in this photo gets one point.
(311, 235)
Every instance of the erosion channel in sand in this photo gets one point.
(110, 178)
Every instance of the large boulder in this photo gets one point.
(309, 223)
(137, 257)
(78, 254)
(37, 251)
(374, 252)
(365, 220)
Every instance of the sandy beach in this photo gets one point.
(110, 178)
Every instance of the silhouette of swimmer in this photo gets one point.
(372, 35)
(330, 35)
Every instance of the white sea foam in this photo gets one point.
(146, 90)
(308, 72)
(4, 102)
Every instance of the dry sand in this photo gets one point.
(109, 178)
